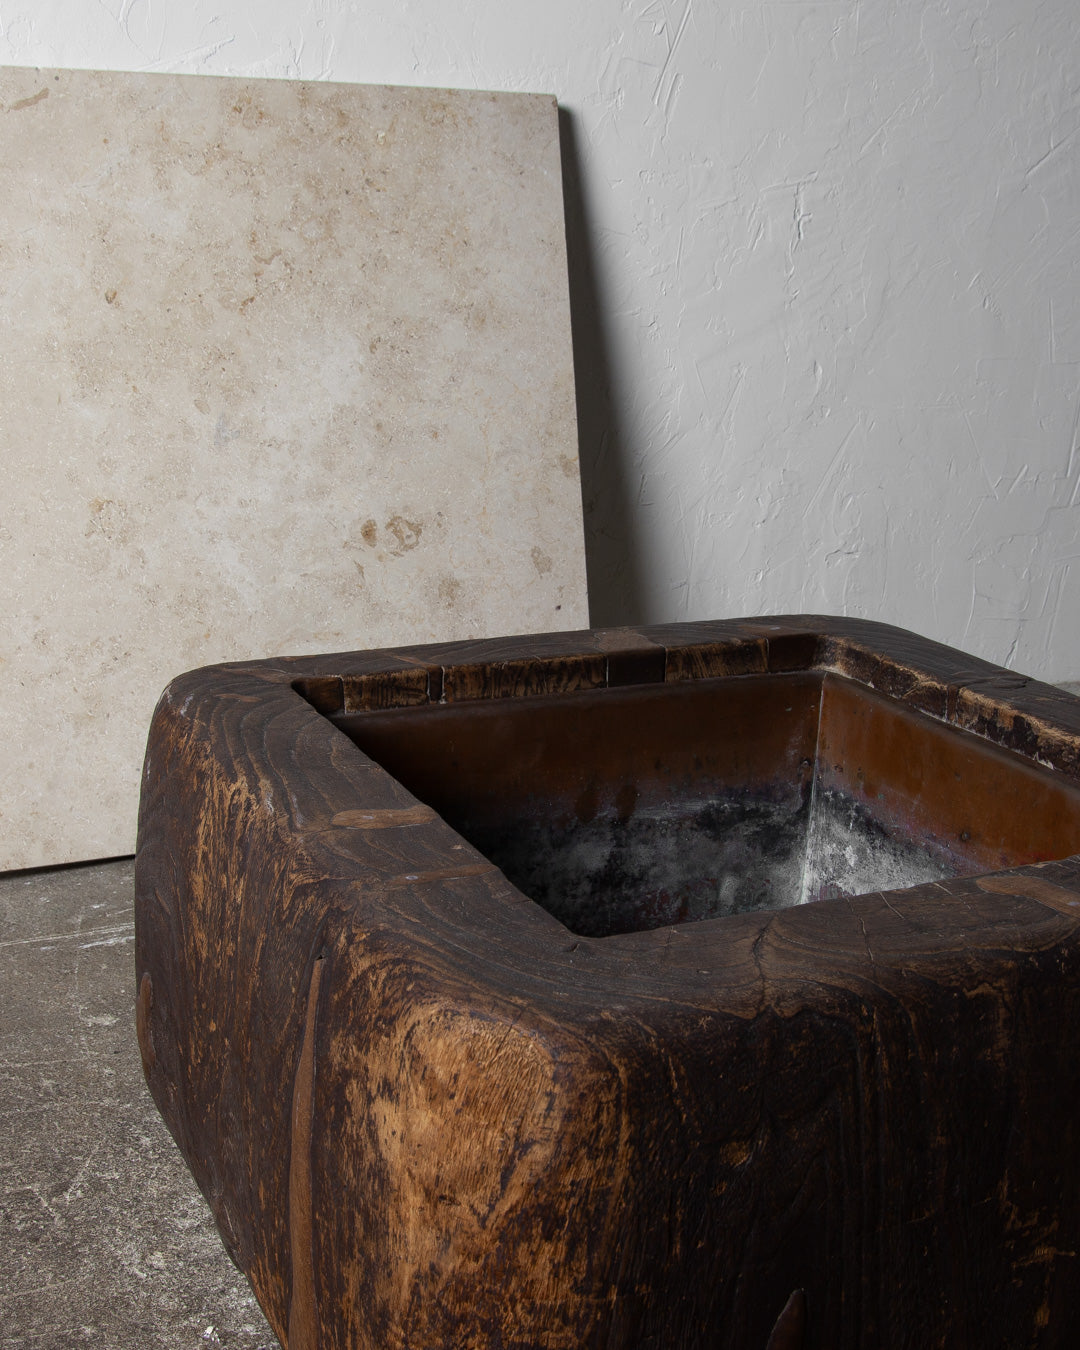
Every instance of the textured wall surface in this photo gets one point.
(284, 367)
(837, 251)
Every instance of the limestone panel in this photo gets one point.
(284, 367)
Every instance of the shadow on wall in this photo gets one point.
(611, 557)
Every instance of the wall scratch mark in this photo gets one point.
(1052, 152)
(979, 457)
(672, 49)
(833, 462)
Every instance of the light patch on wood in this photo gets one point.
(1033, 888)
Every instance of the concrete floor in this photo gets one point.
(104, 1237)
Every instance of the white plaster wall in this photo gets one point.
(839, 255)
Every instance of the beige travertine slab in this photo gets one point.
(284, 367)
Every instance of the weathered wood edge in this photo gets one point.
(533, 975)
(1011, 710)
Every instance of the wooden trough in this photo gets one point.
(476, 985)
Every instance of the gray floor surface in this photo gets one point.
(104, 1237)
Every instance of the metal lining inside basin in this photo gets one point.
(632, 808)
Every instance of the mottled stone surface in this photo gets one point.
(284, 367)
(104, 1237)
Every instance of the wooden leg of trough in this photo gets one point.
(303, 1310)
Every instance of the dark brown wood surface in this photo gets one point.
(427, 1115)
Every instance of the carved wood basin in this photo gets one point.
(478, 986)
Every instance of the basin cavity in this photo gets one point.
(626, 809)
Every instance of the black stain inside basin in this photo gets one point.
(639, 807)
(662, 865)
(675, 864)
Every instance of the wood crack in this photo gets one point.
(303, 1305)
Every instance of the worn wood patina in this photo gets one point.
(474, 986)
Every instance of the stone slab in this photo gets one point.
(104, 1237)
(283, 367)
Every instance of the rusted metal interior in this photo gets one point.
(631, 808)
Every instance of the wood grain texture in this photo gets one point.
(303, 1302)
(523, 1138)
